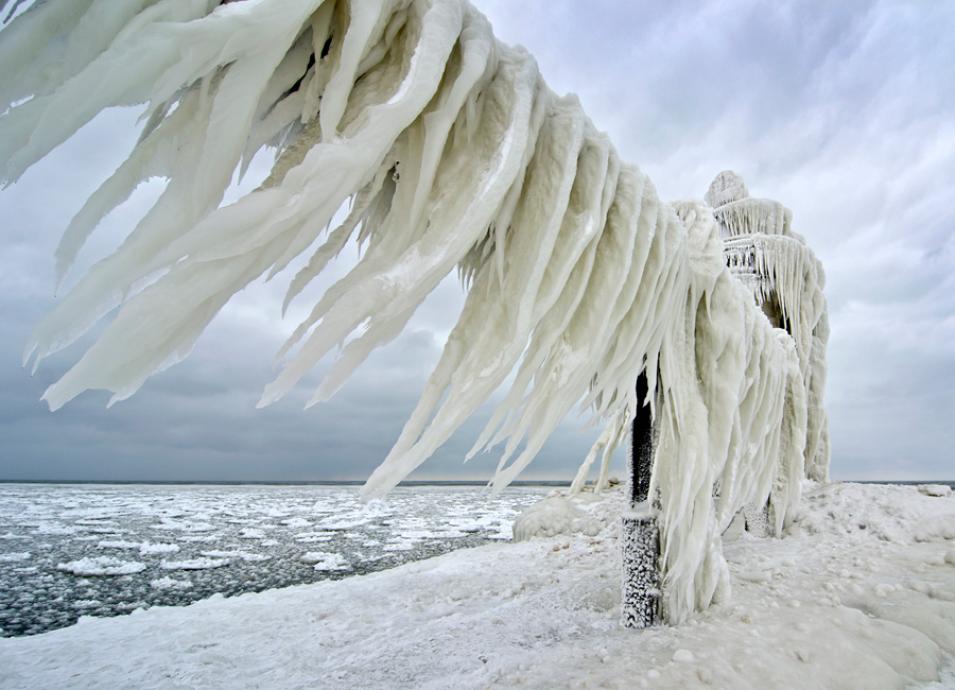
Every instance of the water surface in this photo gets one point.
(68, 550)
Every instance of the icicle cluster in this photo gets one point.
(732, 424)
(787, 280)
(741, 419)
(454, 154)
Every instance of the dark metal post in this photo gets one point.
(641, 446)
(640, 539)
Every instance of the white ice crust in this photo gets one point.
(454, 154)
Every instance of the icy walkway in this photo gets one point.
(861, 596)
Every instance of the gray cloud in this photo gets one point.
(843, 111)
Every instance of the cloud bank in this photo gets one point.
(844, 112)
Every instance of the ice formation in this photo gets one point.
(453, 153)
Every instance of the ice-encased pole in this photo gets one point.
(641, 446)
(639, 536)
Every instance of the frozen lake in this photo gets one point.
(69, 550)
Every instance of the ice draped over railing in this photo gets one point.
(787, 281)
(454, 154)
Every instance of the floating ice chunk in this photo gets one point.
(167, 582)
(144, 548)
(52, 528)
(195, 564)
(314, 537)
(87, 603)
(252, 533)
(147, 548)
(183, 525)
(339, 524)
(296, 522)
(936, 490)
(241, 555)
(101, 565)
(102, 529)
(119, 544)
(14, 557)
(323, 560)
(400, 545)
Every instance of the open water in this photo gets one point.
(71, 550)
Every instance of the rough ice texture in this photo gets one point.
(834, 606)
(454, 154)
(552, 516)
(937, 490)
(641, 581)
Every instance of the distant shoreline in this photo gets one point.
(359, 482)
(318, 482)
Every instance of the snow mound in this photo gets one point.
(892, 513)
(684, 656)
(552, 516)
(936, 490)
(101, 565)
(934, 528)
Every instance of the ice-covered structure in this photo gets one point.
(787, 281)
(454, 154)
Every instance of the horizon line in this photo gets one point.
(407, 482)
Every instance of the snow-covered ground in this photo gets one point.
(861, 594)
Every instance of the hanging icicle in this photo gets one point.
(455, 155)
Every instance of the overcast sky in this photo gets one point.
(844, 111)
